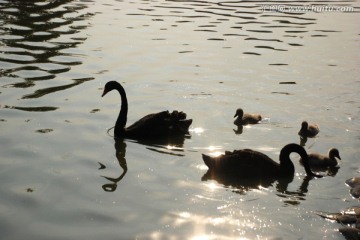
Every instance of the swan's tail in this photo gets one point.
(179, 120)
(178, 115)
(185, 124)
(207, 160)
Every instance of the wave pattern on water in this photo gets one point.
(37, 39)
(264, 21)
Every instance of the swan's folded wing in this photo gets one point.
(161, 123)
(150, 122)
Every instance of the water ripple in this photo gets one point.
(33, 45)
(32, 109)
(45, 91)
(211, 16)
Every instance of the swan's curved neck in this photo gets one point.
(286, 164)
(122, 118)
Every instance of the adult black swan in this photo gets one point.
(162, 124)
(250, 164)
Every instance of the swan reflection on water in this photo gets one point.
(242, 186)
(120, 152)
(172, 145)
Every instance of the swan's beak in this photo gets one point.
(104, 92)
(236, 114)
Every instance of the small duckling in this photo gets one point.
(308, 130)
(323, 161)
(246, 118)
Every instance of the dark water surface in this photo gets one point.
(64, 177)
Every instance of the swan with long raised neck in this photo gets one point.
(247, 163)
(151, 126)
(246, 118)
(308, 130)
(321, 160)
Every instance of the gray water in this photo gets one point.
(63, 176)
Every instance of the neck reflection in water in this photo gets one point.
(242, 186)
(120, 152)
(171, 145)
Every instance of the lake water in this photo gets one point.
(62, 175)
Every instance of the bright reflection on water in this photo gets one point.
(197, 130)
(64, 177)
(212, 186)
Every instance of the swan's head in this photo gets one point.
(111, 85)
(304, 125)
(239, 112)
(334, 153)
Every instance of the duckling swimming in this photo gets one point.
(308, 130)
(246, 118)
(321, 160)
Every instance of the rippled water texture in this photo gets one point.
(63, 176)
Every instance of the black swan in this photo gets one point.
(246, 118)
(247, 163)
(154, 125)
(321, 160)
(308, 130)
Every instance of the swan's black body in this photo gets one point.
(154, 125)
(247, 163)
